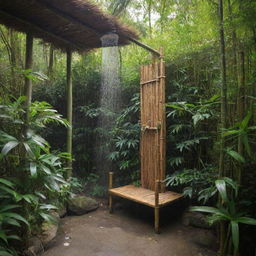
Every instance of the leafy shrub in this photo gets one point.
(34, 176)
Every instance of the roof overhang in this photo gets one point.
(74, 24)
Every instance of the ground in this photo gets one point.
(129, 232)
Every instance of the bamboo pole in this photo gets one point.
(110, 185)
(69, 109)
(241, 109)
(28, 82)
(157, 188)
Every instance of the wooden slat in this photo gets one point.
(152, 144)
(145, 196)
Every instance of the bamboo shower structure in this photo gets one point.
(152, 144)
(69, 25)
(153, 125)
(74, 25)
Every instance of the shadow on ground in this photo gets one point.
(129, 232)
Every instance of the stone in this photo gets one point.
(205, 238)
(80, 205)
(62, 211)
(35, 247)
(195, 219)
(49, 230)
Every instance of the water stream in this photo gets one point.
(109, 103)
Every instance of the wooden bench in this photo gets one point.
(153, 199)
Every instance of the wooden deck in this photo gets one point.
(145, 196)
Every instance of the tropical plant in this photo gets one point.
(196, 184)
(125, 136)
(10, 219)
(37, 174)
(227, 211)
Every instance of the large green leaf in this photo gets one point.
(235, 234)
(9, 146)
(5, 253)
(16, 216)
(232, 183)
(236, 156)
(48, 207)
(6, 182)
(246, 220)
(3, 236)
(221, 186)
(205, 209)
(33, 169)
(5, 208)
(12, 222)
(244, 123)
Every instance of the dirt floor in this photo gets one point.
(129, 232)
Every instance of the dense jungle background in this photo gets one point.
(210, 55)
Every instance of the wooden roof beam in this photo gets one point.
(90, 28)
(40, 28)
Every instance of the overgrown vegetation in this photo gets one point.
(211, 75)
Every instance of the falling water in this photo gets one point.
(109, 102)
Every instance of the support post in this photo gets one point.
(156, 213)
(110, 185)
(69, 110)
(28, 82)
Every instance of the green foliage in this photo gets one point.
(10, 220)
(126, 140)
(227, 211)
(36, 173)
(245, 132)
(196, 184)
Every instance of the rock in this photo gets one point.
(49, 231)
(205, 238)
(80, 205)
(195, 219)
(35, 247)
(62, 211)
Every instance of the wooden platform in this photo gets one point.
(145, 196)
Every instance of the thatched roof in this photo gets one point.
(75, 24)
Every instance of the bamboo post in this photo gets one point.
(110, 185)
(69, 109)
(163, 122)
(28, 82)
(157, 188)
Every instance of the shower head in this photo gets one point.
(109, 40)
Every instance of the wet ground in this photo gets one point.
(129, 232)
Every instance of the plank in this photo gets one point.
(145, 196)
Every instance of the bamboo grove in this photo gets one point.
(210, 55)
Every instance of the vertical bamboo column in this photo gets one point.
(157, 188)
(110, 185)
(69, 109)
(28, 82)
(162, 121)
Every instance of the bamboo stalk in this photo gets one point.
(110, 198)
(28, 81)
(157, 187)
(69, 110)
